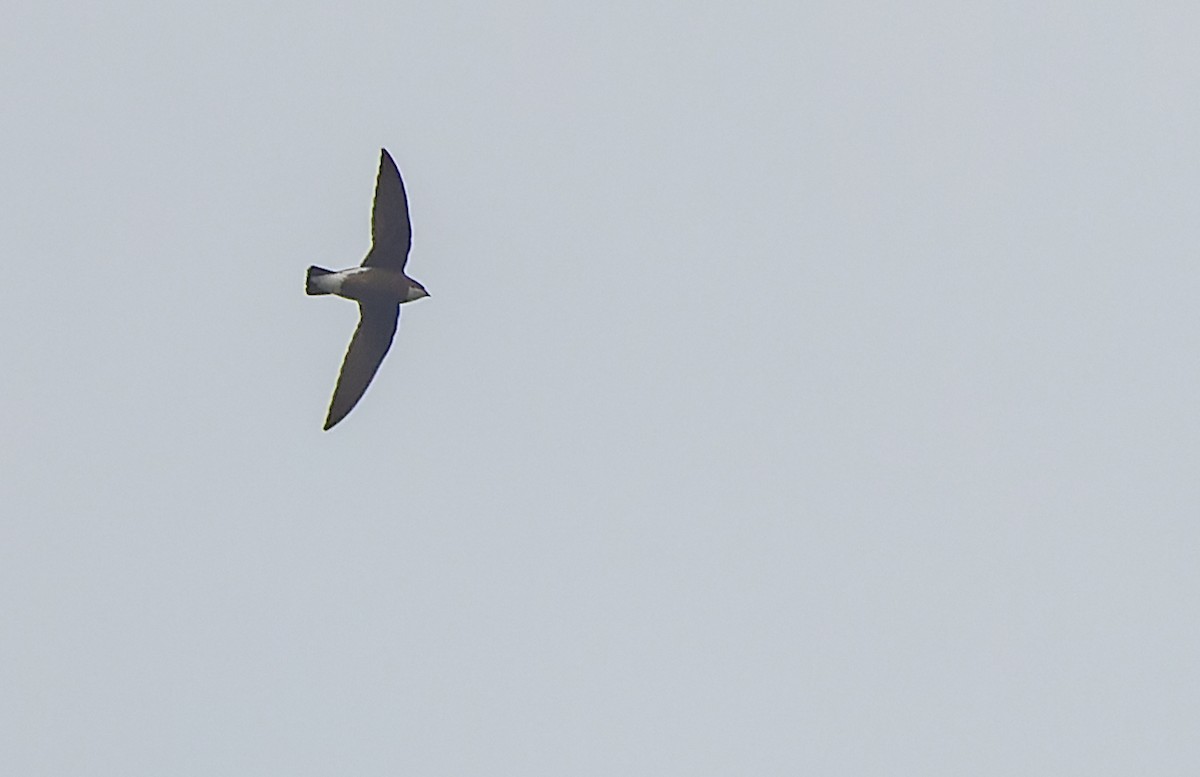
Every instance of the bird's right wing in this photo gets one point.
(391, 232)
(371, 341)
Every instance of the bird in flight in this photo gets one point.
(379, 287)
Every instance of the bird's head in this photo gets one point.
(415, 291)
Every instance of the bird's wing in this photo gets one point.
(391, 233)
(370, 344)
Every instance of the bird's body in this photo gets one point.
(379, 287)
(365, 284)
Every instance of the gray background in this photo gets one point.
(805, 389)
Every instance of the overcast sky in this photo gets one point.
(806, 388)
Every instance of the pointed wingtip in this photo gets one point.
(386, 162)
(335, 416)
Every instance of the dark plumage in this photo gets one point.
(379, 286)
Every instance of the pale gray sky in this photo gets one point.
(805, 389)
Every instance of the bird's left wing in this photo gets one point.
(371, 341)
(391, 232)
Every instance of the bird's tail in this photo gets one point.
(312, 284)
